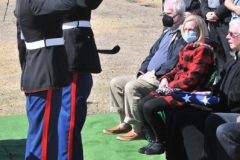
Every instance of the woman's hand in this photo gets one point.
(164, 83)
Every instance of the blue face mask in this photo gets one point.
(190, 37)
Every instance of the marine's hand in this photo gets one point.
(238, 119)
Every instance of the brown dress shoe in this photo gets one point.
(131, 135)
(117, 130)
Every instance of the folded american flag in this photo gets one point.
(196, 98)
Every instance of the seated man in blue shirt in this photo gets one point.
(126, 91)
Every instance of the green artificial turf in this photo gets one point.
(96, 144)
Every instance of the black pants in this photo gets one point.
(149, 107)
(222, 137)
(177, 122)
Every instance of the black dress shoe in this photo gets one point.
(156, 148)
(143, 149)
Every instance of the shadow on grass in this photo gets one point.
(12, 149)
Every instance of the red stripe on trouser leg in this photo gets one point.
(46, 125)
(72, 115)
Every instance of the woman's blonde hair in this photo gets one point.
(200, 24)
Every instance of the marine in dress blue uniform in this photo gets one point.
(83, 59)
(44, 73)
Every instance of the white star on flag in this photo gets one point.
(186, 98)
(205, 100)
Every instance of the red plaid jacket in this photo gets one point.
(191, 71)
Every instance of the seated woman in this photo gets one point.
(228, 91)
(189, 74)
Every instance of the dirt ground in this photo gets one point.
(134, 25)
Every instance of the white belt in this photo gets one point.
(75, 24)
(44, 43)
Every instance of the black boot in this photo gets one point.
(143, 149)
(156, 148)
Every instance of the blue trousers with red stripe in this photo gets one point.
(43, 109)
(73, 115)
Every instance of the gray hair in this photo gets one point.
(236, 22)
(178, 5)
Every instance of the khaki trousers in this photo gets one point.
(125, 93)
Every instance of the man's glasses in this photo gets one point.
(233, 35)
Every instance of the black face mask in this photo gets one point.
(167, 21)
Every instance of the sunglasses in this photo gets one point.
(233, 35)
